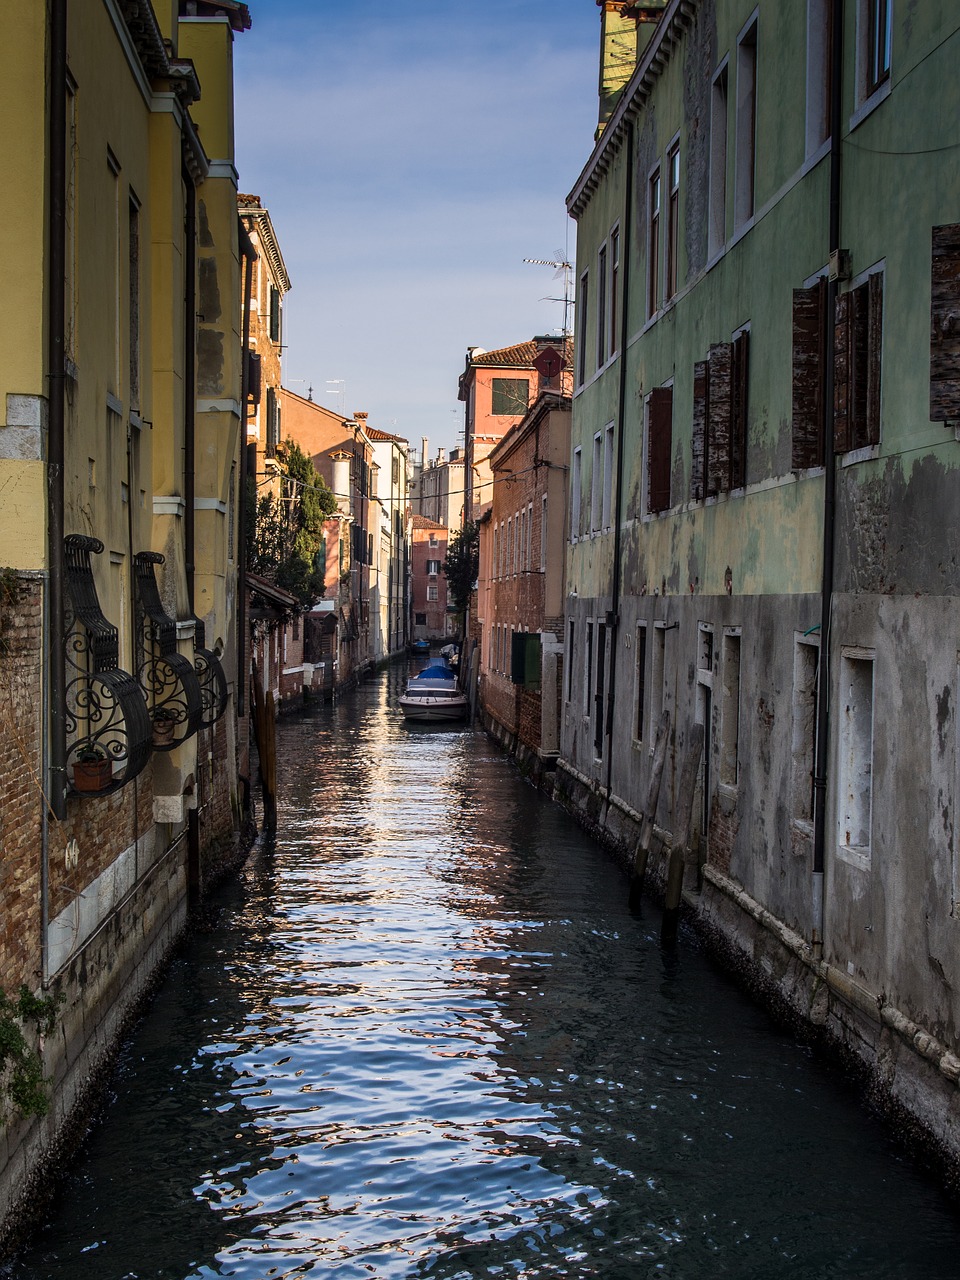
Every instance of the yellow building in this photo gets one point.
(120, 466)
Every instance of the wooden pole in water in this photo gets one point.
(269, 766)
(684, 815)
(649, 814)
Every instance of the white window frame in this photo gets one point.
(719, 126)
(576, 493)
(855, 820)
(868, 100)
(747, 119)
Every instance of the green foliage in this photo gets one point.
(9, 592)
(462, 565)
(21, 1067)
(285, 532)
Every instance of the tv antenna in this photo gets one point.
(562, 268)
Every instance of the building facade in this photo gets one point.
(428, 583)
(120, 456)
(521, 585)
(763, 491)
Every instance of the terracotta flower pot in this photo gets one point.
(92, 775)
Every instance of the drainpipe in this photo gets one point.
(613, 626)
(54, 695)
(829, 499)
(189, 479)
(249, 255)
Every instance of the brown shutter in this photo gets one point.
(701, 387)
(842, 374)
(718, 421)
(945, 324)
(738, 411)
(808, 373)
(860, 364)
(659, 446)
(874, 356)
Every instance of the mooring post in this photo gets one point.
(684, 818)
(650, 811)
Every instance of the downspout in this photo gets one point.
(248, 253)
(829, 499)
(189, 481)
(614, 616)
(55, 682)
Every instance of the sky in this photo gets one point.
(411, 154)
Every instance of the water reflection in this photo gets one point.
(425, 1038)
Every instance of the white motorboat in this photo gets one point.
(433, 694)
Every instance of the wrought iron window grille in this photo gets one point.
(106, 718)
(168, 679)
(213, 681)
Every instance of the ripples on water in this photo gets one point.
(425, 1038)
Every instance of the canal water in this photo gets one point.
(422, 1036)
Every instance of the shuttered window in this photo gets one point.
(739, 402)
(718, 418)
(701, 406)
(809, 373)
(858, 333)
(945, 324)
(659, 446)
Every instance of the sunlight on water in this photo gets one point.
(422, 1036)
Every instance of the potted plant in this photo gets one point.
(164, 726)
(92, 769)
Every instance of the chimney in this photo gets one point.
(341, 480)
(625, 31)
(423, 453)
(441, 457)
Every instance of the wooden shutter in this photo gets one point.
(808, 375)
(518, 657)
(945, 324)
(659, 445)
(874, 356)
(859, 364)
(738, 410)
(718, 421)
(842, 374)
(701, 386)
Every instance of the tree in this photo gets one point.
(285, 534)
(462, 565)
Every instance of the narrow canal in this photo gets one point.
(422, 1036)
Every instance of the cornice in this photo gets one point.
(677, 17)
(261, 220)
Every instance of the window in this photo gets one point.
(659, 427)
(855, 757)
(432, 591)
(133, 260)
(588, 670)
(582, 299)
(653, 243)
(641, 681)
(528, 550)
(433, 567)
(568, 658)
(717, 214)
(543, 534)
(510, 559)
(495, 570)
(596, 483)
(819, 72)
(944, 333)
(730, 711)
(744, 193)
(658, 678)
(576, 482)
(673, 220)
(600, 690)
(809, 374)
(419, 619)
(719, 439)
(614, 287)
(273, 423)
(602, 305)
(879, 41)
(858, 341)
(274, 314)
(509, 396)
(434, 540)
(805, 666)
(606, 515)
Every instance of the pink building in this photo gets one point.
(428, 586)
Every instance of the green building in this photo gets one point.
(765, 497)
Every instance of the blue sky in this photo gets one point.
(412, 153)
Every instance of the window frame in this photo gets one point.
(671, 285)
(745, 175)
(719, 127)
(654, 204)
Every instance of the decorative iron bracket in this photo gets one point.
(213, 681)
(107, 723)
(167, 678)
